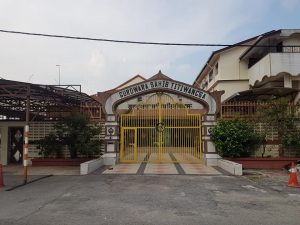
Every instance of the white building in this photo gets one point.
(256, 68)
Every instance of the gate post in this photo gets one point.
(111, 140)
(210, 155)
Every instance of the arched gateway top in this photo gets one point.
(164, 84)
(117, 138)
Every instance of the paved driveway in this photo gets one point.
(149, 199)
(163, 168)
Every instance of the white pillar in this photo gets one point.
(287, 81)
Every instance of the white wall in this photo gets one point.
(292, 41)
(232, 70)
(285, 62)
(230, 67)
(273, 64)
(231, 87)
(259, 70)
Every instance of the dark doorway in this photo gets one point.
(15, 144)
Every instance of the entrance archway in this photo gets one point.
(124, 139)
(160, 129)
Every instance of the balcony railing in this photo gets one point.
(247, 109)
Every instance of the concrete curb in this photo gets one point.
(91, 166)
(233, 168)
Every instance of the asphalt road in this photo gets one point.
(146, 199)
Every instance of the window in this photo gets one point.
(206, 83)
(210, 76)
(216, 68)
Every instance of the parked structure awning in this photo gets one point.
(47, 102)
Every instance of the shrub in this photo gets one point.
(234, 138)
(50, 146)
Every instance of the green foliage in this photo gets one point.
(291, 142)
(79, 135)
(280, 115)
(50, 146)
(292, 138)
(234, 138)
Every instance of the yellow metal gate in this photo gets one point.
(160, 130)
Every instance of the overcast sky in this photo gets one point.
(99, 66)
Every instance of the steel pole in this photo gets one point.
(26, 134)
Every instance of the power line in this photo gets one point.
(133, 42)
(109, 40)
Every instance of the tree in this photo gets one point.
(79, 135)
(75, 131)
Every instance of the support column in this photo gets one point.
(210, 155)
(111, 140)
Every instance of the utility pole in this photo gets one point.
(26, 136)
